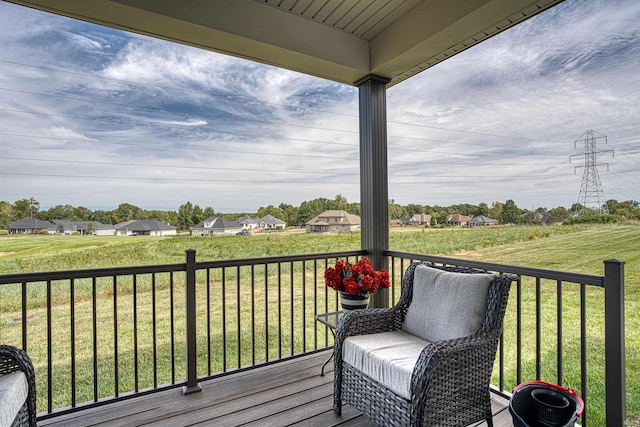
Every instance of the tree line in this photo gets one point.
(189, 214)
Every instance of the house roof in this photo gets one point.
(270, 219)
(247, 220)
(218, 223)
(339, 41)
(484, 219)
(458, 218)
(31, 223)
(81, 225)
(144, 225)
(349, 219)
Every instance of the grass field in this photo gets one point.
(574, 248)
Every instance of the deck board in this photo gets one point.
(282, 394)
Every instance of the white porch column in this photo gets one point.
(373, 174)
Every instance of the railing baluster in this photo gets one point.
(208, 282)
(116, 374)
(72, 327)
(559, 330)
(304, 306)
(583, 349)
(392, 276)
(279, 281)
(519, 330)
(266, 313)
(315, 301)
(291, 308)
(134, 301)
(154, 316)
(172, 330)
(23, 319)
(238, 326)
(49, 351)
(253, 315)
(224, 318)
(538, 331)
(94, 326)
(326, 307)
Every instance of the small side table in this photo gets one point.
(331, 321)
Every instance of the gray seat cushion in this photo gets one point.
(14, 390)
(446, 305)
(387, 357)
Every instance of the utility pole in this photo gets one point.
(591, 193)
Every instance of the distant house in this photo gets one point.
(395, 222)
(216, 226)
(546, 218)
(65, 226)
(419, 219)
(145, 227)
(249, 223)
(458, 219)
(480, 220)
(333, 222)
(269, 222)
(31, 226)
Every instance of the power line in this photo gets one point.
(404, 150)
(190, 167)
(131, 178)
(171, 148)
(435, 179)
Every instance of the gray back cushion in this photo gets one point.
(446, 305)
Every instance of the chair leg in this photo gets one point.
(337, 407)
(490, 421)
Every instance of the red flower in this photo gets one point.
(333, 278)
(359, 278)
(383, 276)
(351, 286)
(369, 284)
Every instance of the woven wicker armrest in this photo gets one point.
(448, 370)
(368, 321)
(13, 359)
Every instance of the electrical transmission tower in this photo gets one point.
(591, 193)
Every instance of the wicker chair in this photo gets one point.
(447, 383)
(13, 360)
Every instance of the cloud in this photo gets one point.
(97, 117)
(510, 109)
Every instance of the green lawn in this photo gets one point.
(574, 248)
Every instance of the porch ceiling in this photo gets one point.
(340, 40)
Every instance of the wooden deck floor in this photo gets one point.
(291, 393)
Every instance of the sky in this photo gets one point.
(95, 117)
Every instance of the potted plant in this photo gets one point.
(355, 282)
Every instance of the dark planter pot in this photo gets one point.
(353, 302)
